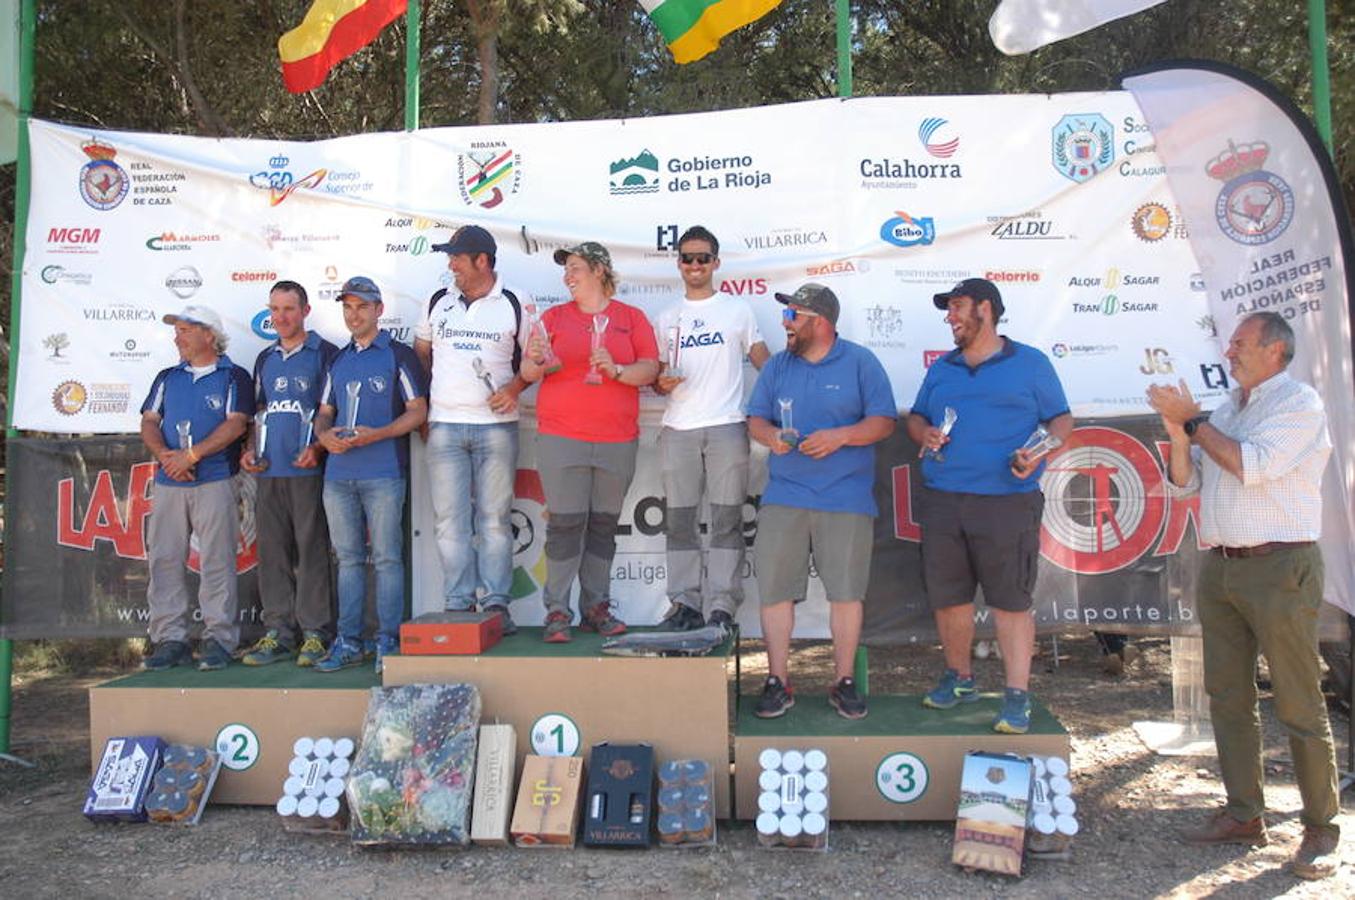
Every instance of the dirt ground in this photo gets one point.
(1131, 804)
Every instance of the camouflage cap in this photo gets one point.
(592, 251)
(815, 298)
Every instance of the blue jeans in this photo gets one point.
(471, 469)
(358, 510)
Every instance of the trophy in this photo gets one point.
(482, 373)
(185, 429)
(350, 428)
(307, 425)
(260, 439)
(674, 341)
(947, 423)
(787, 433)
(600, 323)
(535, 328)
(1040, 443)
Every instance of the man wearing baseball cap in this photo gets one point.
(819, 405)
(471, 340)
(981, 504)
(192, 422)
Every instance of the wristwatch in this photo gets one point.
(1192, 425)
(617, 369)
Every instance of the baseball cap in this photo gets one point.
(975, 289)
(362, 287)
(592, 251)
(199, 315)
(815, 298)
(469, 239)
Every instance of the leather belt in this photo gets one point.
(1259, 549)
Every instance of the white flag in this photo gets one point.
(1020, 26)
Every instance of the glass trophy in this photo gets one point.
(537, 328)
(787, 433)
(260, 440)
(1040, 443)
(600, 323)
(307, 426)
(948, 420)
(185, 429)
(354, 391)
(674, 342)
(482, 373)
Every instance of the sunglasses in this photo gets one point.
(697, 259)
(790, 314)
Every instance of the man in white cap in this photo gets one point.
(193, 422)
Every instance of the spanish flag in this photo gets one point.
(693, 28)
(332, 31)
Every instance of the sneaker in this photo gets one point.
(1317, 856)
(509, 626)
(950, 691)
(167, 655)
(844, 698)
(557, 627)
(1014, 718)
(268, 650)
(723, 619)
(601, 620)
(312, 649)
(681, 618)
(368, 649)
(342, 655)
(1224, 829)
(775, 700)
(385, 646)
(212, 656)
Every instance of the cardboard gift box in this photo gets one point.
(990, 824)
(620, 795)
(547, 811)
(123, 779)
(451, 633)
(495, 766)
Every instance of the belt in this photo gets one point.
(1259, 549)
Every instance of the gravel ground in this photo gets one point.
(1130, 801)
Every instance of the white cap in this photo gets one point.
(195, 314)
(307, 806)
(1056, 766)
(816, 781)
(329, 807)
(815, 760)
(769, 801)
(303, 745)
(816, 802)
(1064, 805)
(286, 805)
(339, 767)
(769, 780)
(334, 787)
(324, 747)
(1066, 825)
(343, 748)
(791, 826)
(768, 823)
(770, 758)
(814, 824)
(792, 760)
(298, 765)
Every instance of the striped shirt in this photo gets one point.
(1282, 431)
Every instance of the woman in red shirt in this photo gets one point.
(588, 429)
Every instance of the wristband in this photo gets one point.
(1194, 424)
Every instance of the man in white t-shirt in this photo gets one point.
(704, 442)
(470, 340)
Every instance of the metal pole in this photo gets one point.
(1317, 45)
(844, 48)
(28, 21)
(412, 50)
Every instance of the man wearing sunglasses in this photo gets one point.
(819, 406)
(704, 442)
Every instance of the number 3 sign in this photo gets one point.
(901, 777)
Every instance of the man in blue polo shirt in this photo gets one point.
(192, 422)
(294, 580)
(981, 504)
(374, 395)
(819, 405)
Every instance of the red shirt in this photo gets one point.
(607, 413)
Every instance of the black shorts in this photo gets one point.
(988, 540)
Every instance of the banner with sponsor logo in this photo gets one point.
(1060, 200)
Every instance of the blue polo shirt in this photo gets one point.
(287, 386)
(204, 403)
(843, 388)
(998, 403)
(390, 376)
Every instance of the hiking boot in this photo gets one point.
(844, 698)
(722, 619)
(1317, 856)
(775, 700)
(342, 655)
(385, 646)
(681, 618)
(212, 656)
(601, 620)
(1014, 718)
(951, 690)
(312, 649)
(509, 626)
(167, 655)
(1224, 829)
(267, 650)
(557, 627)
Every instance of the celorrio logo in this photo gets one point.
(904, 230)
(254, 275)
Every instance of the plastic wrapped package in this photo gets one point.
(411, 781)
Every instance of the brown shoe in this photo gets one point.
(1317, 856)
(1224, 829)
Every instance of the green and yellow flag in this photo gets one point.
(693, 28)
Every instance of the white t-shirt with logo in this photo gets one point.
(459, 332)
(714, 336)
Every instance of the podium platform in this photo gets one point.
(901, 762)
